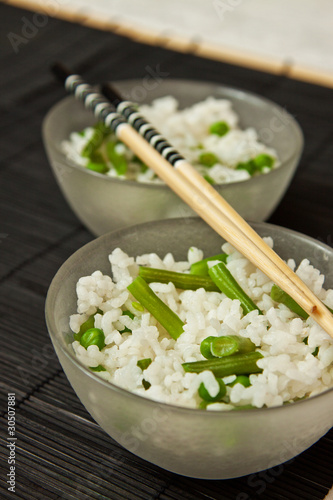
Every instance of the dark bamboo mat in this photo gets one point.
(61, 452)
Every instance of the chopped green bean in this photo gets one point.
(237, 364)
(97, 157)
(208, 159)
(144, 363)
(205, 395)
(128, 313)
(161, 312)
(101, 168)
(209, 179)
(282, 297)
(99, 134)
(98, 368)
(93, 336)
(230, 344)
(244, 407)
(201, 267)
(219, 128)
(146, 384)
(180, 280)
(315, 352)
(118, 160)
(223, 278)
(241, 379)
(205, 347)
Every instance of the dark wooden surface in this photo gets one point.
(61, 452)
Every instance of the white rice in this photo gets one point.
(188, 131)
(291, 369)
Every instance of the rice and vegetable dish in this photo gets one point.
(207, 134)
(212, 333)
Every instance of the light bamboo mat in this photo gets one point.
(291, 38)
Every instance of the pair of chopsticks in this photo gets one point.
(132, 129)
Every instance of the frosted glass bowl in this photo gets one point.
(104, 204)
(191, 442)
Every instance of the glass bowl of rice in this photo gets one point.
(245, 145)
(135, 383)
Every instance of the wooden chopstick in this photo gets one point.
(185, 181)
(228, 214)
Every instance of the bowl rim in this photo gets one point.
(125, 392)
(244, 94)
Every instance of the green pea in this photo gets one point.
(249, 166)
(205, 348)
(263, 160)
(208, 159)
(88, 323)
(219, 128)
(204, 394)
(93, 336)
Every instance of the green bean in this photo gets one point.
(244, 407)
(99, 134)
(93, 336)
(209, 179)
(219, 128)
(180, 280)
(230, 344)
(118, 160)
(237, 364)
(101, 168)
(208, 159)
(144, 363)
(282, 297)
(98, 368)
(241, 379)
(161, 312)
(205, 347)
(201, 267)
(223, 278)
(205, 395)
